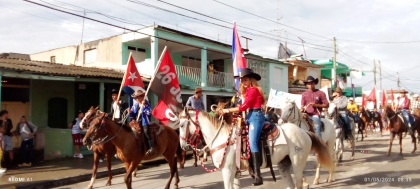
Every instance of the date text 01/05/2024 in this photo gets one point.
(387, 179)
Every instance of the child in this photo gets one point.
(27, 131)
(75, 133)
(2, 170)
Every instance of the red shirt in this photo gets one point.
(253, 99)
(316, 96)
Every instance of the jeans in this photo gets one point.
(408, 119)
(317, 124)
(23, 157)
(256, 123)
(346, 123)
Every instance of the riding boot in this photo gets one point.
(251, 167)
(151, 149)
(256, 159)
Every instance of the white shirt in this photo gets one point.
(116, 110)
(401, 102)
(370, 106)
(76, 127)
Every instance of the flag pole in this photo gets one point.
(151, 81)
(122, 84)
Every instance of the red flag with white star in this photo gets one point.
(133, 79)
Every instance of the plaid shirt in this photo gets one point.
(414, 104)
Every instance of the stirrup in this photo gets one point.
(151, 151)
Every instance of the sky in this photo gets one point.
(365, 30)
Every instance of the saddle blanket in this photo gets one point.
(278, 140)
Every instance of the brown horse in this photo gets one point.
(417, 122)
(367, 119)
(397, 126)
(103, 130)
(107, 149)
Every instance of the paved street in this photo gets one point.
(370, 162)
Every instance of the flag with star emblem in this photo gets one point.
(238, 57)
(133, 79)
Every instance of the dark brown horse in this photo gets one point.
(360, 127)
(103, 130)
(368, 119)
(417, 122)
(397, 127)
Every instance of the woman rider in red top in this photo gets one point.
(254, 99)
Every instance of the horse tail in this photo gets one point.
(324, 157)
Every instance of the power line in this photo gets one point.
(269, 19)
(384, 42)
(211, 17)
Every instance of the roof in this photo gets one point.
(303, 63)
(47, 68)
(258, 57)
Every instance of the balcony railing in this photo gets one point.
(192, 76)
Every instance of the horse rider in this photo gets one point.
(144, 104)
(117, 106)
(414, 104)
(236, 100)
(352, 107)
(370, 106)
(253, 101)
(341, 102)
(404, 106)
(195, 102)
(313, 100)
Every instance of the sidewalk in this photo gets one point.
(65, 171)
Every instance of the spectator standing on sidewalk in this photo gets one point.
(26, 130)
(7, 138)
(2, 149)
(75, 134)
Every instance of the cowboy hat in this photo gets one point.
(415, 96)
(311, 79)
(138, 93)
(198, 90)
(248, 72)
(115, 91)
(404, 91)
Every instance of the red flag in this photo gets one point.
(364, 103)
(392, 98)
(166, 86)
(384, 98)
(372, 95)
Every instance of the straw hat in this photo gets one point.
(198, 90)
(138, 93)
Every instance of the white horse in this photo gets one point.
(292, 114)
(294, 154)
(339, 132)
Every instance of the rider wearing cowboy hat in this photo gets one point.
(254, 99)
(415, 103)
(404, 105)
(146, 113)
(195, 102)
(313, 100)
(341, 102)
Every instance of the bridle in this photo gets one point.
(101, 126)
(196, 136)
(293, 110)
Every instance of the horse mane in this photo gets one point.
(213, 120)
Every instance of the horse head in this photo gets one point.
(332, 110)
(95, 126)
(89, 115)
(290, 112)
(184, 128)
(388, 112)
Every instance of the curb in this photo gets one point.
(82, 178)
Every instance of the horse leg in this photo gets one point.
(390, 143)
(337, 149)
(236, 180)
(181, 156)
(316, 180)
(400, 134)
(134, 173)
(284, 169)
(173, 168)
(195, 154)
(413, 139)
(366, 126)
(341, 150)
(95, 169)
(127, 177)
(353, 144)
(380, 126)
(205, 154)
(108, 164)
(228, 173)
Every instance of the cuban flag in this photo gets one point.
(132, 80)
(238, 57)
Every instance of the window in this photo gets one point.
(191, 62)
(278, 75)
(57, 113)
(52, 59)
(139, 54)
(90, 56)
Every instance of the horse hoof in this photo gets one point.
(205, 160)
(181, 166)
(387, 154)
(90, 187)
(400, 154)
(108, 183)
(306, 186)
(316, 182)
(352, 158)
(195, 165)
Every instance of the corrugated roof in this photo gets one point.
(47, 68)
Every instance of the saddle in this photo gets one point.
(311, 124)
(154, 130)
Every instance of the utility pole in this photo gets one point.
(246, 41)
(380, 74)
(398, 82)
(374, 79)
(334, 75)
(306, 58)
